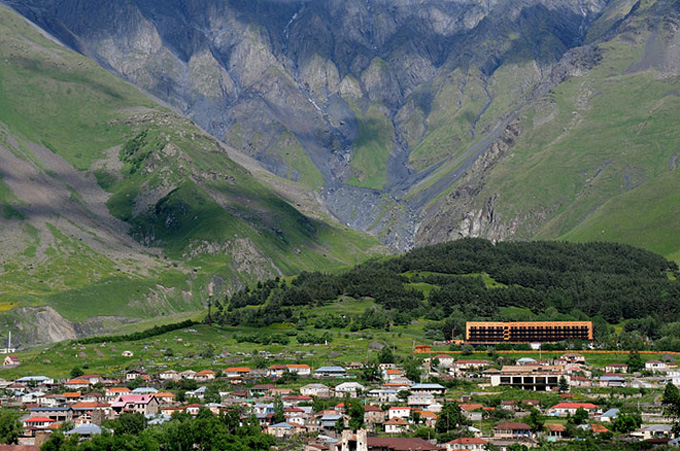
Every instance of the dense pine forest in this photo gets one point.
(475, 279)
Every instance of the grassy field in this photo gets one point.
(371, 149)
(187, 348)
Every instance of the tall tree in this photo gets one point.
(279, 416)
(450, 418)
(671, 403)
(10, 427)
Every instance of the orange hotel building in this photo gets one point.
(488, 332)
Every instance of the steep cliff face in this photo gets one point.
(378, 105)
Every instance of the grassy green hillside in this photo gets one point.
(114, 206)
(423, 297)
(596, 158)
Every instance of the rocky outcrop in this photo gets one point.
(462, 214)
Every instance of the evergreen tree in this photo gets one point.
(279, 416)
(671, 403)
(635, 361)
(450, 418)
(564, 385)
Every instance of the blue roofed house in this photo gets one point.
(609, 415)
(330, 372)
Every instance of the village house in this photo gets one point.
(373, 415)
(609, 415)
(353, 389)
(423, 400)
(616, 368)
(654, 431)
(511, 430)
(555, 432)
(37, 381)
(134, 374)
(445, 360)
(187, 374)
(77, 384)
(281, 430)
(468, 365)
(574, 357)
(391, 374)
(204, 376)
(579, 381)
(399, 412)
(261, 390)
(35, 423)
(237, 372)
(144, 404)
(467, 443)
(114, 392)
(327, 372)
(473, 411)
(396, 426)
(434, 389)
(169, 375)
(318, 390)
(612, 380)
(564, 409)
(656, 366)
(58, 414)
(301, 370)
(383, 395)
(165, 398)
(276, 370)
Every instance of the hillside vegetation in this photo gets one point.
(473, 279)
(113, 208)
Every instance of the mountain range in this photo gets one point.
(420, 121)
(236, 140)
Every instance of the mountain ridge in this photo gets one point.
(351, 99)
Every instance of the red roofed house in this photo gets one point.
(236, 372)
(301, 369)
(391, 374)
(114, 392)
(204, 376)
(396, 426)
(77, 383)
(569, 408)
(475, 444)
(38, 423)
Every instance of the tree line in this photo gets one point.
(606, 282)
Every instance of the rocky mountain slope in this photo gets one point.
(115, 209)
(379, 106)
(421, 121)
(404, 117)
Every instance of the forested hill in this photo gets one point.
(474, 279)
